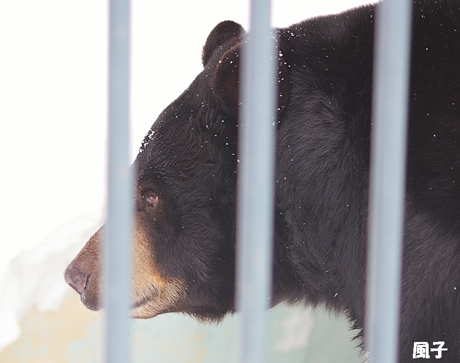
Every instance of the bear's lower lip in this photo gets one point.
(90, 304)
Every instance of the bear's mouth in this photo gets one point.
(156, 300)
(147, 304)
(146, 308)
(140, 303)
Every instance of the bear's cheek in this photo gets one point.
(153, 293)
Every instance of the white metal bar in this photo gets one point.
(256, 184)
(387, 178)
(120, 191)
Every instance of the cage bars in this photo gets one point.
(387, 178)
(118, 231)
(256, 184)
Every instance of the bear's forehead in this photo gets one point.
(177, 129)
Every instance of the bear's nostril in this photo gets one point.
(76, 278)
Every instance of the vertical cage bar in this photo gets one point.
(118, 230)
(256, 184)
(387, 178)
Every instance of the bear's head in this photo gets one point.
(185, 196)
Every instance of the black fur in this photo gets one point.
(189, 159)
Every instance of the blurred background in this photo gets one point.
(53, 112)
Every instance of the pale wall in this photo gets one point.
(73, 335)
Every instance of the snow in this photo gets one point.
(35, 277)
(53, 107)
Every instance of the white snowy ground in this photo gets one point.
(53, 104)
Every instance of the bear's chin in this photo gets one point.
(143, 312)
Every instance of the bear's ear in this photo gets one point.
(221, 34)
(225, 81)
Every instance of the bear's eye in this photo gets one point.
(151, 199)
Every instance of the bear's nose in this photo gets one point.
(76, 278)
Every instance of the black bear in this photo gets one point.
(184, 241)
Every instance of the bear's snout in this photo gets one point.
(83, 273)
(76, 278)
